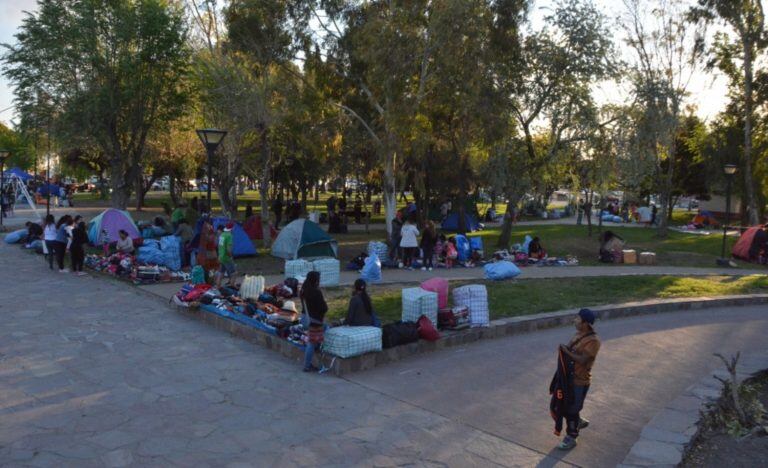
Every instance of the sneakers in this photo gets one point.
(423, 268)
(81, 273)
(65, 270)
(310, 369)
(583, 423)
(567, 443)
(430, 268)
(400, 265)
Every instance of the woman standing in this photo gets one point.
(61, 244)
(49, 237)
(207, 257)
(428, 241)
(314, 306)
(77, 249)
(409, 241)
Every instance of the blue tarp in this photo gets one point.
(501, 270)
(15, 171)
(451, 223)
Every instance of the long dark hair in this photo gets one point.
(49, 219)
(64, 220)
(312, 283)
(360, 289)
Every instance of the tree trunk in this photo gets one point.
(506, 228)
(266, 164)
(173, 186)
(590, 197)
(388, 185)
(121, 189)
(749, 187)
(140, 193)
(666, 192)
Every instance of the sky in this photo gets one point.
(708, 92)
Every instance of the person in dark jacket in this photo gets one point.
(277, 208)
(77, 248)
(582, 350)
(315, 309)
(428, 242)
(360, 311)
(34, 232)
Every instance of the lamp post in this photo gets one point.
(48, 182)
(211, 139)
(729, 170)
(3, 156)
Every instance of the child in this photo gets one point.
(428, 240)
(105, 242)
(225, 253)
(451, 252)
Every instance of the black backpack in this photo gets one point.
(399, 333)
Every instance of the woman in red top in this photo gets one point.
(206, 251)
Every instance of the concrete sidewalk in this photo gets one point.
(391, 276)
(93, 374)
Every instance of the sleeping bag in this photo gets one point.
(501, 270)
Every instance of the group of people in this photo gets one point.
(406, 247)
(360, 313)
(67, 235)
(628, 212)
(214, 251)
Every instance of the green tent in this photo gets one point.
(303, 238)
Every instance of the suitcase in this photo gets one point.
(418, 302)
(630, 256)
(346, 342)
(399, 333)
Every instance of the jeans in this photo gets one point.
(572, 413)
(309, 352)
(51, 247)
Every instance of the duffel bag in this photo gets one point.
(399, 333)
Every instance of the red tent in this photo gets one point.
(253, 228)
(745, 244)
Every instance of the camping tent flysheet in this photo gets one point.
(15, 171)
(253, 228)
(451, 223)
(241, 243)
(747, 246)
(302, 238)
(112, 221)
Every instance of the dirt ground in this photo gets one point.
(716, 449)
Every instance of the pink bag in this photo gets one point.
(439, 286)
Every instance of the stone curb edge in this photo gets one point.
(498, 328)
(667, 437)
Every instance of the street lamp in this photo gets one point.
(211, 139)
(729, 170)
(3, 156)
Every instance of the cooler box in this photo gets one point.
(630, 256)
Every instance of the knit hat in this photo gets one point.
(587, 315)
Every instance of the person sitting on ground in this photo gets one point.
(124, 243)
(451, 252)
(160, 227)
(440, 249)
(315, 308)
(225, 253)
(184, 231)
(611, 246)
(360, 311)
(536, 250)
(34, 232)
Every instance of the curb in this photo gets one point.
(667, 437)
(498, 328)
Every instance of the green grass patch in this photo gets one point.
(525, 297)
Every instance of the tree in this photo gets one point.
(747, 19)
(112, 71)
(667, 50)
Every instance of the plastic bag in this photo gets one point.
(371, 271)
(501, 270)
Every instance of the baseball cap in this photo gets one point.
(587, 315)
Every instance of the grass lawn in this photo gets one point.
(525, 297)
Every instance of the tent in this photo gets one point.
(748, 246)
(303, 238)
(253, 228)
(451, 223)
(241, 243)
(16, 172)
(112, 221)
(705, 218)
(54, 189)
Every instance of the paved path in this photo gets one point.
(93, 374)
(390, 276)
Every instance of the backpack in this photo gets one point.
(399, 333)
